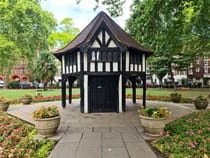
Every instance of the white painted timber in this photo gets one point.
(107, 66)
(143, 62)
(78, 61)
(100, 66)
(63, 64)
(100, 36)
(140, 68)
(71, 69)
(92, 67)
(127, 61)
(131, 67)
(74, 68)
(86, 93)
(95, 44)
(115, 66)
(106, 37)
(112, 44)
(136, 68)
(85, 61)
(120, 93)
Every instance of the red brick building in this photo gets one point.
(199, 71)
(19, 72)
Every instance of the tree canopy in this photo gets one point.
(25, 24)
(64, 34)
(178, 30)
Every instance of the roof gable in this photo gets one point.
(85, 36)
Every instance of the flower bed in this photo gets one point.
(45, 99)
(160, 98)
(16, 139)
(188, 136)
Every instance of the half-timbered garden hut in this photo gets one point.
(103, 57)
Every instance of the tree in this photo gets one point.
(25, 26)
(64, 34)
(44, 68)
(167, 27)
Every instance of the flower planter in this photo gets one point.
(47, 126)
(152, 126)
(201, 104)
(4, 106)
(26, 100)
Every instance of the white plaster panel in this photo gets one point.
(63, 64)
(143, 62)
(127, 61)
(85, 61)
(100, 36)
(74, 68)
(78, 61)
(131, 67)
(106, 37)
(115, 66)
(95, 44)
(92, 67)
(136, 68)
(67, 69)
(71, 69)
(100, 66)
(85, 93)
(107, 66)
(120, 93)
(112, 44)
(140, 68)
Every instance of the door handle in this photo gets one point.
(99, 87)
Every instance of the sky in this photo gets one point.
(81, 13)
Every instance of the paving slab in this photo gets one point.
(88, 152)
(115, 153)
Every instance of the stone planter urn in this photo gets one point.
(26, 100)
(4, 103)
(176, 99)
(201, 103)
(4, 106)
(152, 126)
(47, 126)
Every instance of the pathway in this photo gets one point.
(100, 135)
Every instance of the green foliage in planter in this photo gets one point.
(27, 95)
(14, 84)
(175, 97)
(188, 136)
(4, 100)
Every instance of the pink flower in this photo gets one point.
(199, 132)
(168, 147)
(192, 133)
(161, 133)
(195, 143)
(187, 132)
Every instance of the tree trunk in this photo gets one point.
(161, 82)
(45, 85)
(7, 76)
(172, 75)
(151, 79)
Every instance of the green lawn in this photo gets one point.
(15, 94)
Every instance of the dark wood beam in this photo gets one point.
(63, 92)
(70, 90)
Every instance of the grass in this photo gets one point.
(16, 94)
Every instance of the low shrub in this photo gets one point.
(14, 85)
(17, 139)
(188, 136)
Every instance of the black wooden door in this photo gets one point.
(103, 93)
